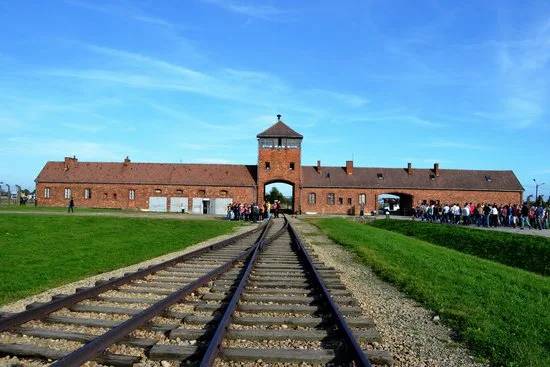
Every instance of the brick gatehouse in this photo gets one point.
(209, 188)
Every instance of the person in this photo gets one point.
(71, 206)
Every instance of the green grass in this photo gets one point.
(63, 209)
(499, 311)
(39, 252)
(531, 253)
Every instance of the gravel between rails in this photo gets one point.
(408, 331)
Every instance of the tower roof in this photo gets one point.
(279, 130)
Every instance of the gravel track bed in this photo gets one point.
(58, 344)
(67, 327)
(408, 331)
(272, 344)
(91, 315)
(91, 302)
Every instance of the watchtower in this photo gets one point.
(280, 159)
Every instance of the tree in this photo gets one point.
(273, 195)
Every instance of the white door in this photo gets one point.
(197, 206)
(158, 203)
(219, 206)
(179, 204)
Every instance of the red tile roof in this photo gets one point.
(398, 178)
(149, 173)
(279, 130)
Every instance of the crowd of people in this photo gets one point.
(253, 212)
(486, 214)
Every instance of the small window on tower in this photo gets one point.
(291, 166)
(202, 193)
(179, 192)
(267, 165)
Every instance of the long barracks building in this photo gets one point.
(209, 188)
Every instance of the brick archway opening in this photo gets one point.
(398, 202)
(283, 192)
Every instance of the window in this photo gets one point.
(202, 193)
(291, 166)
(312, 198)
(114, 196)
(380, 176)
(47, 193)
(362, 199)
(132, 194)
(68, 193)
(340, 201)
(158, 191)
(279, 142)
(330, 199)
(266, 143)
(488, 178)
(87, 193)
(267, 165)
(349, 201)
(223, 192)
(179, 192)
(105, 196)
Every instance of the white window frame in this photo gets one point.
(132, 194)
(68, 193)
(47, 192)
(87, 193)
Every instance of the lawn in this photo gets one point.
(500, 312)
(531, 253)
(39, 252)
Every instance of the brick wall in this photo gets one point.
(103, 195)
(444, 196)
(279, 169)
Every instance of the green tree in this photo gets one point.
(273, 195)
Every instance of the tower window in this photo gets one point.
(291, 166)
(267, 165)
(279, 142)
(179, 192)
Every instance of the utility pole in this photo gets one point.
(537, 191)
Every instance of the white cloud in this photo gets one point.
(56, 148)
(252, 9)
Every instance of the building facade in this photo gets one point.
(209, 188)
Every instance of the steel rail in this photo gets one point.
(357, 353)
(17, 319)
(101, 343)
(215, 343)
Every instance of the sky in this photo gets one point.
(383, 83)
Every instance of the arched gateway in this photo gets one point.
(279, 159)
(210, 188)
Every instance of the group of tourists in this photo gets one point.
(485, 214)
(253, 212)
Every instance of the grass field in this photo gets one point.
(39, 252)
(531, 253)
(501, 312)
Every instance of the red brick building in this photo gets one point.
(208, 188)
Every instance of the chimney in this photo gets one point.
(126, 161)
(436, 169)
(318, 167)
(409, 168)
(69, 162)
(349, 167)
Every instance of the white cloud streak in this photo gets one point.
(252, 9)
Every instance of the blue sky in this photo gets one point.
(380, 82)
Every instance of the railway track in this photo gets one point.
(260, 298)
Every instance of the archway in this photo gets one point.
(283, 192)
(396, 202)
